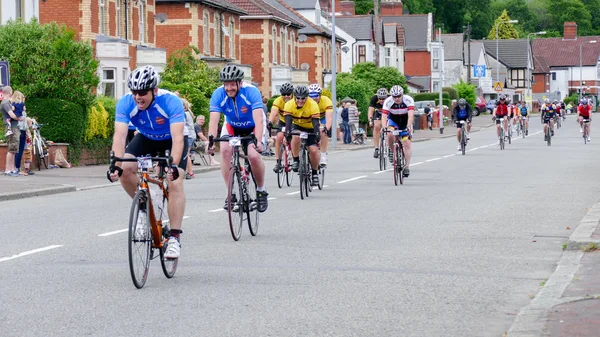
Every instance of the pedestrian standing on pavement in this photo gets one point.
(189, 124)
(429, 116)
(18, 102)
(12, 140)
(345, 123)
(353, 114)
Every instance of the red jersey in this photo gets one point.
(584, 110)
(558, 107)
(501, 110)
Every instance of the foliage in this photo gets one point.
(452, 92)
(378, 77)
(97, 124)
(358, 89)
(467, 91)
(110, 105)
(101, 126)
(326, 92)
(430, 96)
(64, 122)
(192, 77)
(270, 102)
(573, 99)
(48, 61)
(505, 29)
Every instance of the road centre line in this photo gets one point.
(126, 229)
(29, 252)
(351, 179)
(292, 193)
(379, 172)
(216, 210)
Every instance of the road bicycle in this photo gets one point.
(148, 219)
(304, 167)
(399, 158)
(463, 136)
(501, 141)
(384, 149)
(243, 185)
(586, 129)
(285, 169)
(39, 147)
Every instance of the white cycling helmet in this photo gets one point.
(396, 91)
(143, 78)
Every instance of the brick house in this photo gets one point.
(212, 26)
(122, 33)
(557, 73)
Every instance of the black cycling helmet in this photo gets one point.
(231, 73)
(301, 92)
(286, 89)
(462, 102)
(143, 78)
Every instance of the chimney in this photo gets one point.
(391, 8)
(570, 31)
(346, 7)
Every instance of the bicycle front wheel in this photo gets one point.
(463, 141)
(251, 207)
(402, 165)
(289, 175)
(235, 203)
(169, 266)
(281, 173)
(381, 155)
(396, 164)
(140, 239)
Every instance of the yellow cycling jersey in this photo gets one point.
(279, 102)
(302, 116)
(325, 104)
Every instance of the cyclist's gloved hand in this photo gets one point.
(113, 173)
(288, 136)
(211, 145)
(371, 122)
(174, 170)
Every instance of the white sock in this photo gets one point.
(260, 189)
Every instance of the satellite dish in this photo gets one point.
(345, 49)
(161, 17)
(302, 37)
(304, 66)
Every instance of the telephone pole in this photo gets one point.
(377, 33)
(469, 53)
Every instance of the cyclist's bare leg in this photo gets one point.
(469, 127)
(258, 167)
(390, 139)
(506, 125)
(407, 144)
(296, 146)
(315, 156)
(498, 129)
(278, 142)
(226, 153)
(129, 179)
(324, 141)
(176, 206)
(376, 132)
(458, 132)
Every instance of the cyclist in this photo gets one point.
(548, 114)
(462, 112)
(563, 109)
(584, 112)
(375, 107)
(501, 111)
(286, 90)
(326, 114)
(242, 105)
(302, 114)
(160, 121)
(524, 116)
(558, 109)
(399, 108)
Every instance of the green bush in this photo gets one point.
(100, 129)
(64, 122)
(378, 77)
(573, 99)
(466, 91)
(430, 96)
(270, 103)
(356, 89)
(452, 92)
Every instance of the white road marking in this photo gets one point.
(380, 172)
(415, 164)
(351, 179)
(272, 198)
(114, 232)
(292, 193)
(29, 252)
(450, 155)
(433, 159)
(325, 186)
(216, 210)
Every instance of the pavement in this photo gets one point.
(450, 263)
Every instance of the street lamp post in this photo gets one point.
(529, 69)
(497, 56)
(581, 66)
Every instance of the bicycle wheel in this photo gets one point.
(281, 172)
(235, 208)
(321, 177)
(396, 164)
(381, 155)
(308, 171)
(140, 239)
(548, 137)
(463, 141)
(501, 138)
(302, 174)
(169, 266)
(509, 134)
(402, 166)
(38, 150)
(289, 175)
(251, 206)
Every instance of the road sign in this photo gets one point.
(4, 73)
(486, 83)
(498, 86)
(479, 70)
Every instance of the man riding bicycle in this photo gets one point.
(302, 114)
(375, 116)
(462, 112)
(548, 114)
(326, 115)
(501, 111)
(584, 112)
(159, 118)
(286, 90)
(400, 109)
(524, 117)
(242, 105)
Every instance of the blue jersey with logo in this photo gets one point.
(462, 114)
(155, 122)
(524, 110)
(237, 113)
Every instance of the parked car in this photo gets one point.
(480, 106)
(491, 104)
(420, 106)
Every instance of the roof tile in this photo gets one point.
(556, 52)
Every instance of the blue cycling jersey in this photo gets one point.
(237, 113)
(524, 110)
(462, 114)
(154, 122)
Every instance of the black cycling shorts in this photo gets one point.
(311, 140)
(498, 119)
(377, 115)
(141, 146)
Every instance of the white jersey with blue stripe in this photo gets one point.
(154, 122)
(238, 112)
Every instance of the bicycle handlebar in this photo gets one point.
(167, 159)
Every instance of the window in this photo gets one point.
(231, 39)
(517, 78)
(282, 47)
(118, 19)
(436, 53)
(274, 49)
(20, 9)
(217, 35)
(142, 22)
(362, 54)
(435, 86)
(206, 31)
(102, 17)
(554, 76)
(293, 50)
(108, 82)
(387, 56)
(124, 81)
(436, 64)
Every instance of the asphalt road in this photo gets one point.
(456, 251)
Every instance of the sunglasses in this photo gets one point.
(395, 97)
(140, 92)
(300, 98)
(286, 95)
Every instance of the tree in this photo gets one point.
(593, 6)
(382, 77)
(505, 29)
(361, 7)
(47, 61)
(570, 10)
(466, 91)
(358, 89)
(192, 77)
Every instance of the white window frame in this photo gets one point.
(274, 46)
(435, 54)
(125, 74)
(206, 32)
(435, 86)
(118, 18)
(102, 9)
(387, 56)
(435, 64)
(142, 21)
(20, 9)
(112, 81)
(231, 38)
